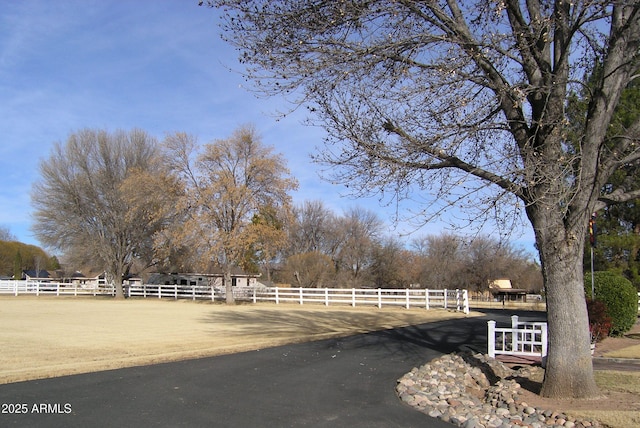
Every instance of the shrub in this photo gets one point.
(599, 322)
(619, 296)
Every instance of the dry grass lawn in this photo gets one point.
(53, 336)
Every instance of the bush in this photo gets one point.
(619, 296)
(599, 322)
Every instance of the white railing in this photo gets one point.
(53, 288)
(448, 299)
(409, 298)
(521, 339)
(192, 292)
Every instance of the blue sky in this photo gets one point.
(156, 65)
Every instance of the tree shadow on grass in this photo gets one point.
(344, 328)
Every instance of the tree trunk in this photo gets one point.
(569, 371)
(117, 282)
(228, 288)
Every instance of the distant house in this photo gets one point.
(502, 290)
(213, 280)
(37, 275)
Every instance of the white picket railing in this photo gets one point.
(52, 288)
(521, 339)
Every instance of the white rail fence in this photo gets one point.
(527, 339)
(409, 298)
(447, 299)
(53, 288)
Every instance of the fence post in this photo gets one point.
(254, 294)
(277, 297)
(514, 321)
(175, 291)
(491, 336)
(446, 294)
(15, 288)
(326, 296)
(301, 298)
(543, 337)
(407, 298)
(426, 298)
(465, 294)
(353, 297)
(379, 298)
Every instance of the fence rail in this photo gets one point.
(521, 339)
(53, 288)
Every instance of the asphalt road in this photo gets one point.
(346, 382)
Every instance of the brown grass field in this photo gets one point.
(53, 336)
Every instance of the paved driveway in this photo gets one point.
(345, 382)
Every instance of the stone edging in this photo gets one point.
(476, 391)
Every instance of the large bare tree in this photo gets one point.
(102, 197)
(466, 101)
(229, 184)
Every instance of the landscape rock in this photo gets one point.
(476, 391)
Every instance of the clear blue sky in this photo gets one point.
(156, 65)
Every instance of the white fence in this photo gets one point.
(447, 299)
(409, 298)
(521, 339)
(53, 288)
(421, 298)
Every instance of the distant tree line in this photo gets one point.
(125, 203)
(326, 249)
(16, 257)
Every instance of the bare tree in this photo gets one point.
(359, 231)
(466, 98)
(101, 199)
(228, 183)
(6, 235)
(311, 229)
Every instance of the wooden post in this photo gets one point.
(353, 297)
(379, 298)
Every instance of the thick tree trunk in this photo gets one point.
(228, 288)
(569, 371)
(119, 288)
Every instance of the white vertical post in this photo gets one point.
(466, 301)
(544, 339)
(300, 293)
(514, 321)
(491, 336)
(277, 297)
(326, 296)
(379, 298)
(175, 291)
(426, 298)
(406, 290)
(445, 298)
(255, 298)
(353, 297)
(15, 288)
